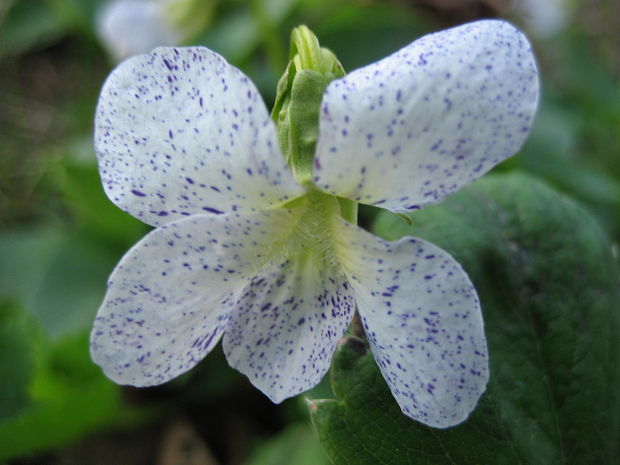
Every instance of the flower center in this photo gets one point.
(312, 237)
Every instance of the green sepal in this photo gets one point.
(406, 218)
(348, 209)
(303, 122)
(298, 100)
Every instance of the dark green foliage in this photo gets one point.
(16, 360)
(548, 286)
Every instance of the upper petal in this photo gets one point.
(168, 299)
(416, 126)
(180, 131)
(423, 321)
(286, 324)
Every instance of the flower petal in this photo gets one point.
(180, 131)
(169, 298)
(427, 120)
(423, 321)
(286, 325)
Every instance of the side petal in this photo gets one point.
(180, 131)
(416, 126)
(422, 318)
(286, 325)
(168, 300)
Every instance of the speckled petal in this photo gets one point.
(286, 325)
(422, 318)
(416, 126)
(168, 300)
(180, 131)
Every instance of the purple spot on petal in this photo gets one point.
(212, 210)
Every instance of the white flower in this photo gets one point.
(241, 251)
(131, 27)
(546, 18)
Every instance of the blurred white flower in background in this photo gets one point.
(132, 27)
(544, 18)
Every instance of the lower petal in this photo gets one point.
(422, 318)
(286, 325)
(168, 299)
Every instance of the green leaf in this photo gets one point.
(554, 151)
(547, 282)
(359, 36)
(236, 32)
(28, 25)
(70, 398)
(104, 221)
(296, 445)
(366, 427)
(16, 359)
(58, 275)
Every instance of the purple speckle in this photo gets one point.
(212, 210)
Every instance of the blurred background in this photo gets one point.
(60, 237)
